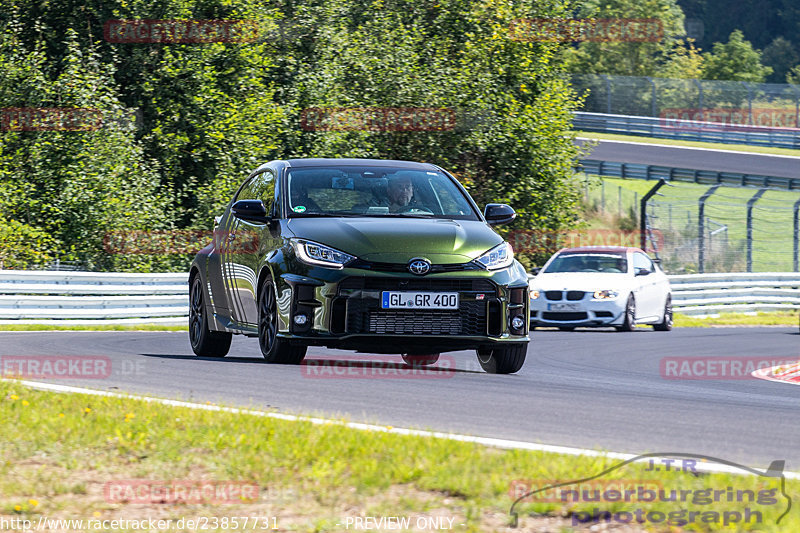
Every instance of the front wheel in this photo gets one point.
(505, 360)
(666, 323)
(629, 323)
(205, 343)
(273, 348)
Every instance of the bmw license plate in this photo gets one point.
(419, 300)
(563, 307)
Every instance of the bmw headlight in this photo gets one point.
(320, 255)
(501, 256)
(605, 295)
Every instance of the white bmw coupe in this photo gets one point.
(597, 286)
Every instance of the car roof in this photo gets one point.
(327, 162)
(602, 249)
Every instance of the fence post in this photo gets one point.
(750, 203)
(619, 201)
(699, 97)
(603, 195)
(749, 102)
(701, 237)
(608, 93)
(643, 212)
(795, 234)
(653, 111)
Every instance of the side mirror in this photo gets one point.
(251, 211)
(641, 271)
(498, 214)
(535, 270)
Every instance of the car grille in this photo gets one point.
(559, 295)
(419, 284)
(403, 267)
(564, 316)
(364, 314)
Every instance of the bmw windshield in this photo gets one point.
(375, 191)
(609, 263)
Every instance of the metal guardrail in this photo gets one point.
(617, 169)
(710, 294)
(704, 294)
(80, 298)
(669, 128)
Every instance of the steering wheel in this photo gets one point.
(415, 209)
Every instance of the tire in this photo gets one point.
(506, 360)
(566, 328)
(629, 324)
(417, 360)
(205, 343)
(273, 348)
(666, 323)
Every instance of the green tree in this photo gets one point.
(626, 58)
(781, 56)
(735, 60)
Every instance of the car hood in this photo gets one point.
(397, 240)
(580, 281)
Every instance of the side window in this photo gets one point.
(642, 261)
(259, 187)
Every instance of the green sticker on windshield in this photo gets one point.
(299, 209)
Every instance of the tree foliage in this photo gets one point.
(208, 113)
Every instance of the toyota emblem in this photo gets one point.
(419, 266)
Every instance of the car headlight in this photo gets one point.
(605, 295)
(320, 255)
(501, 256)
(534, 294)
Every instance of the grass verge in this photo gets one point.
(694, 144)
(777, 318)
(60, 452)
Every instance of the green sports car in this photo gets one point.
(360, 254)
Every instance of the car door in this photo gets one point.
(251, 241)
(648, 298)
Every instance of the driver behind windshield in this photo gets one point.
(400, 192)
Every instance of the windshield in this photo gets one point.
(375, 191)
(609, 263)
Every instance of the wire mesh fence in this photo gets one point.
(701, 228)
(683, 103)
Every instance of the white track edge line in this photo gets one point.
(680, 147)
(485, 441)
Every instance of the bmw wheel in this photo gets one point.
(629, 324)
(273, 348)
(205, 343)
(666, 323)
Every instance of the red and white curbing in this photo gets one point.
(784, 373)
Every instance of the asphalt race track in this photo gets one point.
(695, 158)
(587, 388)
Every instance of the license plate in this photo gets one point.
(419, 300)
(563, 307)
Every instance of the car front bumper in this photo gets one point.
(586, 312)
(342, 309)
